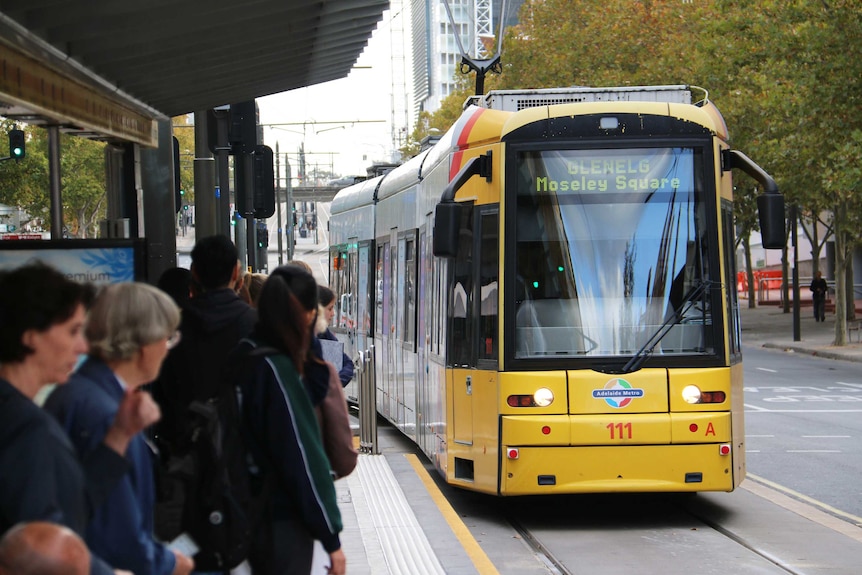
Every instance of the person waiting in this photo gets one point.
(130, 329)
(42, 316)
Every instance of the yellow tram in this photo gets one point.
(548, 293)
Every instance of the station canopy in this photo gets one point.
(110, 69)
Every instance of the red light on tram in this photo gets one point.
(520, 401)
(724, 449)
(693, 427)
(513, 453)
(713, 397)
(546, 430)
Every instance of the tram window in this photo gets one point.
(460, 343)
(410, 291)
(601, 267)
(732, 320)
(378, 289)
(489, 250)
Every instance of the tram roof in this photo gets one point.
(108, 69)
(356, 196)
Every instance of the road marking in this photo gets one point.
(805, 506)
(767, 370)
(752, 451)
(813, 451)
(480, 560)
(749, 407)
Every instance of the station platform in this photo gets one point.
(381, 503)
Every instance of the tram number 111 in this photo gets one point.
(620, 430)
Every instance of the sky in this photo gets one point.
(344, 123)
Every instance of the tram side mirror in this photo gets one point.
(770, 208)
(447, 218)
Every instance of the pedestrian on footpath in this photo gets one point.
(281, 428)
(326, 313)
(213, 322)
(42, 316)
(819, 288)
(130, 329)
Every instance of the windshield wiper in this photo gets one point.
(686, 304)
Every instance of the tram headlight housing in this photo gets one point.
(543, 397)
(693, 394)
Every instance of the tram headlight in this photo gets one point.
(543, 397)
(691, 394)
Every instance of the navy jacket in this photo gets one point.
(41, 475)
(121, 529)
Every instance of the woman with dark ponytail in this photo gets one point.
(281, 428)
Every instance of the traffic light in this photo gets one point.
(185, 208)
(17, 145)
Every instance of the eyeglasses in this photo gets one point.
(174, 339)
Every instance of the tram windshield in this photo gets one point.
(610, 244)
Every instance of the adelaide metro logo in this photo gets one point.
(618, 393)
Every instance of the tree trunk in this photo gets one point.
(840, 281)
(749, 273)
(785, 280)
(848, 286)
(815, 249)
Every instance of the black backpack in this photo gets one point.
(206, 490)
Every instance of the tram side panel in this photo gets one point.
(396, 230)
(351, 257)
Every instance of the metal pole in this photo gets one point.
(278, 202)
(794, 216)
(248, 211)
(291, 230)
(367, 404)
(54, 179)
(206, 207)
(224, 215)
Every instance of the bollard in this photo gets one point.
(367, 404)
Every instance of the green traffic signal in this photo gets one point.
(16, 144)
(182, 192)
(185, 208)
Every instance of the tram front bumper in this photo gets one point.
(655, 452)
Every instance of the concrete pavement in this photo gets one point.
(768, 326)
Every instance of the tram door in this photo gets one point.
(422, 388)
(401, 354)
(363, 298)
(460, 344)
(382, 325)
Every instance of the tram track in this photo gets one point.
(674, 535)
(742, 541)
(555, 567)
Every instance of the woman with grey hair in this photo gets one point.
(131, 327)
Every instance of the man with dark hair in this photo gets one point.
(190, 391)
(213, 322)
